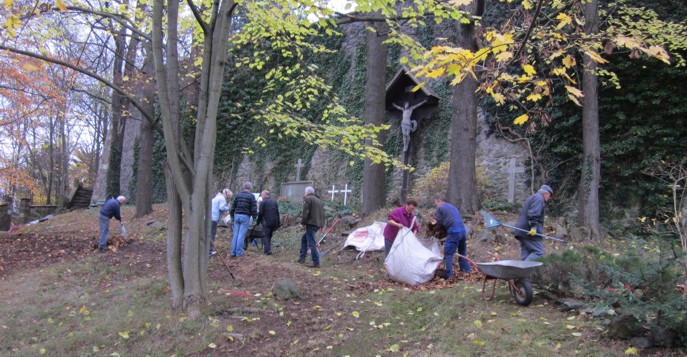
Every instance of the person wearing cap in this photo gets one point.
(531, 220)
(110, 209)
(218, 205)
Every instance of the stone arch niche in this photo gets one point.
(417, 105)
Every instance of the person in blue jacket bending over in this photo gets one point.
(448, 216)
(110, 209)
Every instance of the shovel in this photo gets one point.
(492, 222)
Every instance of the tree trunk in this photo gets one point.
(591, 161)
(462, 187)
(374, 176)
(144, 181)
(190, 174)
(174, 217)
(118, 121)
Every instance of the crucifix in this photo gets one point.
(298, 166)
(345, 192)
(333, 191)
(512, 170)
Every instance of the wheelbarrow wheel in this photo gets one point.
(522, 292)
(256, 241)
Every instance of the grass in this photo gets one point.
(116, 307)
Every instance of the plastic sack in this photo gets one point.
(123, 230)
(367, 238)
(412, 260)
(227, 219)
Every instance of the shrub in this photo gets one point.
(435, 183)
(641, 281)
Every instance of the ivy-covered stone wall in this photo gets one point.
(269, 167)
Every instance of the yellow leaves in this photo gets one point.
(8, 4)
(460, 2)
(504, 56)
(631, 351)
(564, 19)
(574, 94)
(12, 23)
(272, 332)
(124, 334)
(60, 5)
(230, 328)
(529, 69)
(526, 4)
(419, 86)
(594, 56)
(569, 61)
(212, 345)
(394, 348)
(355, 314)
(498, 98)
(477, 323)
(521, 119)
(533, 97)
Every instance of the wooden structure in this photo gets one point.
(400, 90)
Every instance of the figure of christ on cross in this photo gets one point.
(407, 124)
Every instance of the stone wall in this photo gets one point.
(493, 154)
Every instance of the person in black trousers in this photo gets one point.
(268, 214)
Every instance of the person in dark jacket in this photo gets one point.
(531, 219)
(243, 208)
(110, 209)
(268, 215)
(313, 220)
(449, 217)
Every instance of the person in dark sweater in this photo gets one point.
(313, 220)
(531, 219)
(110, 209)
(268, 215)
(449, 217)
(243, 208)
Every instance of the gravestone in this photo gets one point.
(346, 191)
(294, 191)
(333, 192)
(512, 170)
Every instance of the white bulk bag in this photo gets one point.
(412, 260)
(367, 238)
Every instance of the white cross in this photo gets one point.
(333, 191)
(345, 192)
(512, 170)
(298, 169)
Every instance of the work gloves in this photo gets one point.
(532, 232)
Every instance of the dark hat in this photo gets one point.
(546, 188)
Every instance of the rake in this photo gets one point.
(492, 222)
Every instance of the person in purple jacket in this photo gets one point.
(400, 217)
(110, 209)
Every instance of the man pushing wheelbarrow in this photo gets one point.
(529, 232)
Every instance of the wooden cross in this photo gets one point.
(298, 169)
(345, 192)
(512, 170)
(333, 191)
